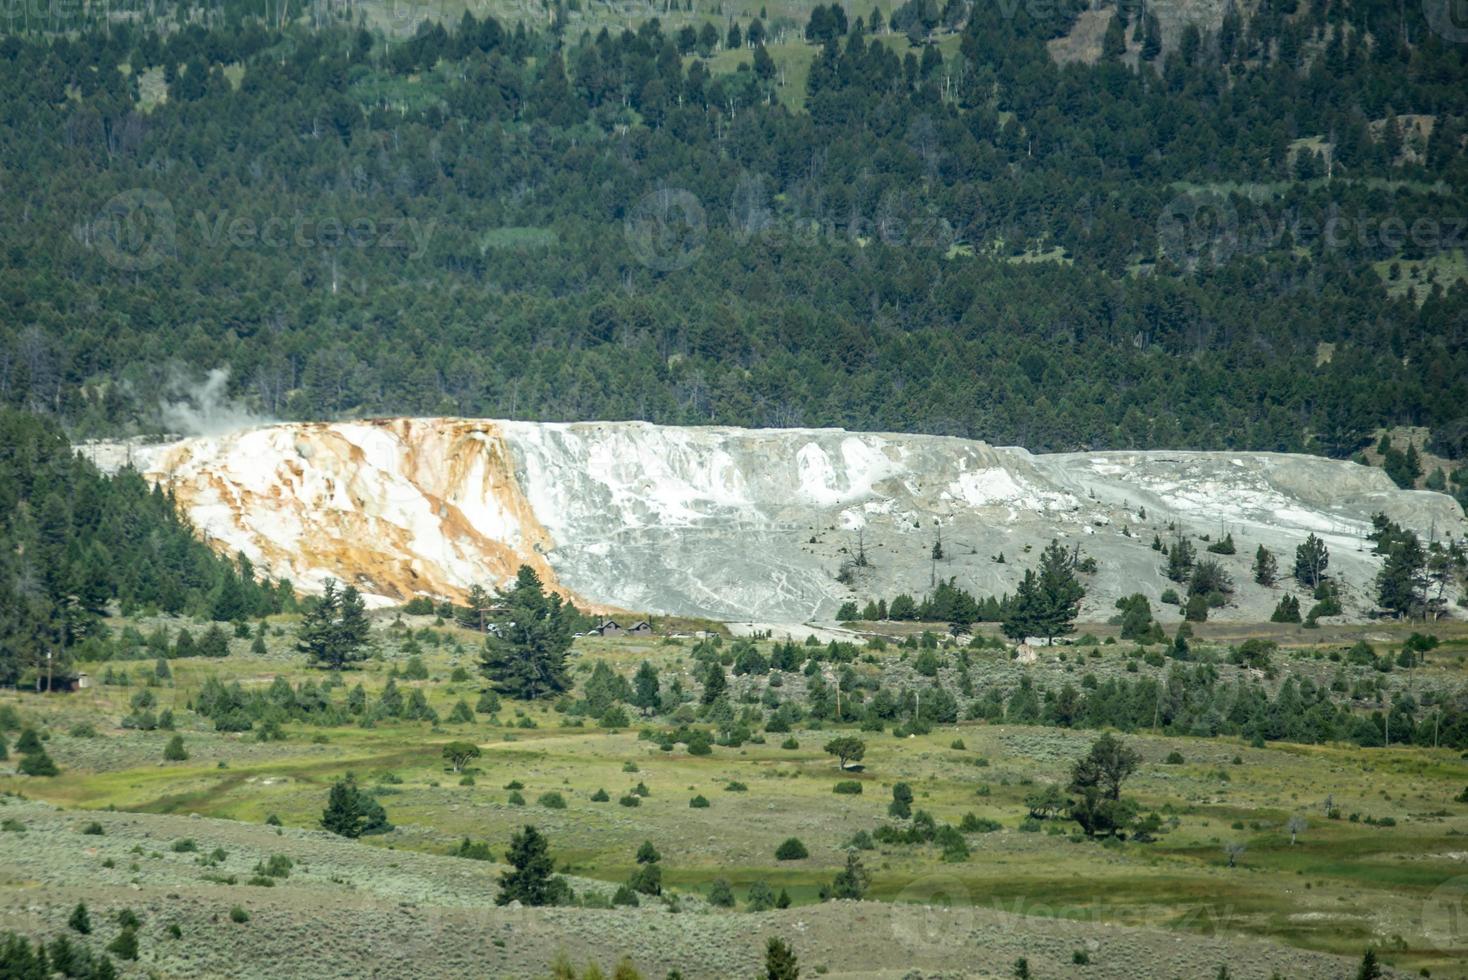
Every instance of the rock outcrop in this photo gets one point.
(751, 523)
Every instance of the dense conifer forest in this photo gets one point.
(1247, 238)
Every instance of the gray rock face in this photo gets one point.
(745, 524)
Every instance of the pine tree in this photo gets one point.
(316, 637)
(1287, 611)
(714, 683)
(80, 920)
(1400, 584)
(1151, 37)
(334, 630)
(1113, 45)
(352, 813)
(851, 881)
(1060, 591)
(1180, 560)
(1312, 558)
(645, 689)
(780, 961)
(37, 763)
(525, 655)
(531, 881)
(1266, 567)
(1023, 617)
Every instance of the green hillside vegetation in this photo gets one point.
(458, 221)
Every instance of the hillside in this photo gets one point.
(922, 225)
(347, 911)
(755, 524)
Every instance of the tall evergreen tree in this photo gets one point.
(334, 631)
(1060, 591)
(525, 651)
(1401, 586)
(1266, 567)
(531, 880)
(645, 694)
(781, 962)
(1312, 558)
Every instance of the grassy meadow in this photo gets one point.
(1384, 872)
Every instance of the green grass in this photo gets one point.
(1181, 882)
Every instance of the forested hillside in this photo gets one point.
(73, 543)
(1250, 238)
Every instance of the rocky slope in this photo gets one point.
(749, 524)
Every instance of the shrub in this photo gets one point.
(791, 850)
(735, 786)
(699, 743)
(848, 787)
(973, 824)
(1175, 758)
(699, 802)
(37, 763)
(185, 845)
(94, 829)
(277, 866)
(473, 850)
(125, 946)
(721, 894)
(790, 743)
(237, 914)
(175, 751)
(951, 841)
(600, 796)
(630, 799)
(761, 897)
(516, 798)
(552, 801)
